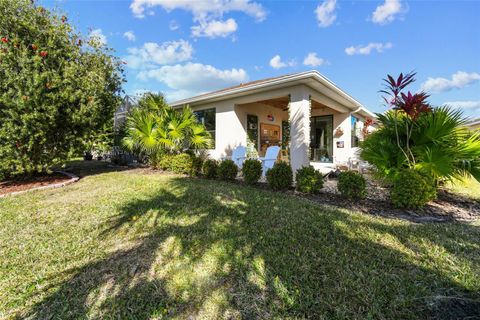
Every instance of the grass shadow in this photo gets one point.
(215, 250)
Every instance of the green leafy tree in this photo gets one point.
(58, 89)
(155, 128)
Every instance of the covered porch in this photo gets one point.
(308, 130)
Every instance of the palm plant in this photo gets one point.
(159, 129)
(439, 143)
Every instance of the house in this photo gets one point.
(128, 103)
(473, 124)
(311, 118)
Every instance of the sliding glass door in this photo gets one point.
(321, 139)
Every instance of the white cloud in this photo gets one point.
(326, 13)
(214, 28)
(130, 35)
(312, 60)
(98, 36)
(202, 9)
(193, 78)
(206, 13)
(464, 104)
(277, 63)
(151, 54)
(388, 11)
(459, 80)
(365, 50)
(173, 25)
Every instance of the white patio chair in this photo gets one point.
(356, 163)
(239, 154)
(271, 156)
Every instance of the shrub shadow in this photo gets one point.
(214, 250)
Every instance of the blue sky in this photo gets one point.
(186, 47)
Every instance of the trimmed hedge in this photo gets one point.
(309, 180)
(210, 168)
(252, 171)
(411, 189)
(352, 185)
(182, 163)
(227, 170)
(280, 177)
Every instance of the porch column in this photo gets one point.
(299, 116)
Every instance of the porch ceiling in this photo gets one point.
(282, 103)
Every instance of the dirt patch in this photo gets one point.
(32, 182)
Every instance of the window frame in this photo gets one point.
(200, 115)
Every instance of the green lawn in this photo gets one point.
(141, 245)
(468, 187)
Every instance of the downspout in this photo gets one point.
(355, 111)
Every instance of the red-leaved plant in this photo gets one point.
(412, 105)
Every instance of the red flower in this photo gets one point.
(43, 54)
(4, 39)
(34, 47)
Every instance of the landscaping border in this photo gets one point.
(73, 178)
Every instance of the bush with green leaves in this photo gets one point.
(252, 171)
(183, 163)
(352, 185)
(413, 134)
(163, 162)
(412, 189)
(309, 180)
(59, 89)
(280, 177)
(156, 128)
(227, 170)
(210, 168)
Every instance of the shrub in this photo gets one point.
(412, 189)
(352, 185)
(164, 162)
(280, 177)
(438, 141)
(252, 171)
(57, 92)
(209, 168)
(197, 165)
(309, 180)
(183, 164)
(227, 170)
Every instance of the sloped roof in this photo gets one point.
(310, 77)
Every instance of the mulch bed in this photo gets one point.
(447, 207)
(31, 182)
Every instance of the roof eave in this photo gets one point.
(354, 104)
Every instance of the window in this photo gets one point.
(207, 118)
(355, 132)
(321, 139)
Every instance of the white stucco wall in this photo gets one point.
(231, 117)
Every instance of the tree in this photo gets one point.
(58, 89)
